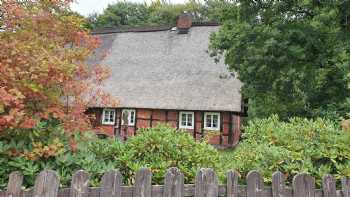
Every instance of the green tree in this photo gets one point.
(121, 14)
(292, 56)
(158, 12)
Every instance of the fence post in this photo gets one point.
(80, 184)
(174, 183)
(345, 184)
(255, 184)
(328, 186)
(14, 185)
(143, 183)
(46, 184)
(206, 184)
(278, 185)
(232, 183)
(303, 186)
(111, 184)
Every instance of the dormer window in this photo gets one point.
(108, 116)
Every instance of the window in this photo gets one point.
(108, 116)
(186, 120)
(212, 121)
(129, 115)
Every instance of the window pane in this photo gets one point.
(189, 123)
(106, 118)
(111, 116)
(215, 121)
(189, 119)
(208, 123)
(183, 117)
(132, 117)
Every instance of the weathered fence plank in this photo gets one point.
(345, 184)
(80, 184)
(64, 192)
(173, 183)
(255, 184)
(303, 186)
(328, 186)
(278, 185)
(46, 184)
(28, 193)
(206, 184)
(232, 184)
(143, 183)
(111, 184)
(14, 185)
(94, 192)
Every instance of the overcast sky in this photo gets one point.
(86, 7)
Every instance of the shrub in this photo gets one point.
(299, 145)
(162, 147)
(30, 150)
(46, 147)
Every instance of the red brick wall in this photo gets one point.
(147, 117)
(95, 118)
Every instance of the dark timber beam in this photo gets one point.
(166, 116)
(151, 119)
(120, 123)
(194, 126)
(135, 131)
(230, 131)
(221, 126)
(202, 130)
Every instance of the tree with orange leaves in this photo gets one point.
(43, 66)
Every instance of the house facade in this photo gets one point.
(166, 75)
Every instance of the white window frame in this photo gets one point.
(212, 114)
(180, 120)
(131, 122)
(105, 110)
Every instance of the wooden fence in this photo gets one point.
(206, 185)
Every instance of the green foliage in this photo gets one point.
(292, 56)
(48, 147)
(299, 145)
(163, 147)
(157, 148)
(129, 14)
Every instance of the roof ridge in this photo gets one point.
(110, 30)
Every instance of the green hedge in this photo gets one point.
(158, 148)
(299, 145)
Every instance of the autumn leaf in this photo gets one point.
(43, 66)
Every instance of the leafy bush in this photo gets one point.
(314, 146)
(48, 147)
(163, 147)
(299, 145)
(157, 148)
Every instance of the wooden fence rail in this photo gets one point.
(206, 185)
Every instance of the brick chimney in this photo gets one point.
(184, 23)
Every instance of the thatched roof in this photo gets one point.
(166, 70)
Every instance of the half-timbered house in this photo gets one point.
(166, 75)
